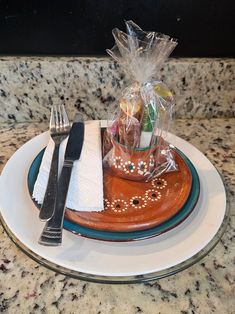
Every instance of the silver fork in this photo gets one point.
(59, 129)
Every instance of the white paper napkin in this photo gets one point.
(86, 185)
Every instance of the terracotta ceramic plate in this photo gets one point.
(133, 206)
(132, 235)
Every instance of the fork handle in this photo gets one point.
(58, 217)
(52, 232)
(47, 208)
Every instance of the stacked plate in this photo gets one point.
(177, 218)
(148, 210)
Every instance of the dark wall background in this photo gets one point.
(204, 28)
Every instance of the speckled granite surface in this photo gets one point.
(204, 90)
(207, 287)
(28, 86)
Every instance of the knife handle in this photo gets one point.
(47, 208)
(52, 232)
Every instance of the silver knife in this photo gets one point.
(52, 232)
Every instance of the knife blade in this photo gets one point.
(75, 140)
(52, 232)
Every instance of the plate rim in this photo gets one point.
(121, 279)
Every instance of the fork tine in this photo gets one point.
(56, 117)
(52, 118)
(65, 117)
(60, 119)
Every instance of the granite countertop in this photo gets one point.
(206, 287)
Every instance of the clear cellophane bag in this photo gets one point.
(135, 142)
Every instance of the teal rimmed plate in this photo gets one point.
(133, 235)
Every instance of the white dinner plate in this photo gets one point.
(93, 258)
